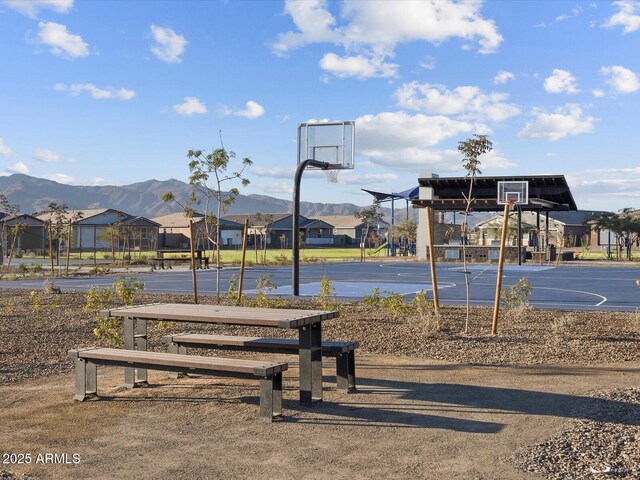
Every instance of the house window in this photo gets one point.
(319, 233)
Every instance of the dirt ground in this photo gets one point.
(410, 418)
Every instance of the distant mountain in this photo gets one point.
(145, 198)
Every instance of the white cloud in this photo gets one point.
(169, 46)
(276, 187)
(4, 150)
(562, 17)
(503, 77)
(370, 31)
(621, 79)
(384, 25)
(275, 172)
(564, 121)
(397, 140)
(62, 43)
(428, 63)
(190, 106)
(466, 101)
(560, 81)
(627, 17)
(358, 66)
(47, 156)
(31, 8)
(18, 168)
(366, 178)
(252, 111)
(96, 93)
(597, 93)
(60, 178)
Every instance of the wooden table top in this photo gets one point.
(230, 315)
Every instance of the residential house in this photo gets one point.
(349, 230)
(569, 228)
(275, 227)
(174, 231)
(106, 228)
(32, 237)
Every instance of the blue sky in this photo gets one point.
(96, 93)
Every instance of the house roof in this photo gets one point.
(85, 214)
(257, 219)
(315, 223)
(140, 221)
(546, 193)
(342, 221)
(176, 220)
(9, 218)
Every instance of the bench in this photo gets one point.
(343, 351)
(203, 263)
(269, 373)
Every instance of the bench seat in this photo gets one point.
(343, 351)
(269, 373)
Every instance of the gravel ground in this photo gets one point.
(37, 333)
(605, 445)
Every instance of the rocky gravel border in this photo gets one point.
(604, 443)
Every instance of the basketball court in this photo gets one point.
(562, 287)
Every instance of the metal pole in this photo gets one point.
(244, 252)
(519, 235)
(393, 220)
(432, 261)
(295, 274)
(503, 239)
(193, 262)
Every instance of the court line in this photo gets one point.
(604, 299)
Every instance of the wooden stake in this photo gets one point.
(432, 261)
(51, 246)
(193, 262)
(503, 240)
(244, 252)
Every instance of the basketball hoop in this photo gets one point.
(332, 175)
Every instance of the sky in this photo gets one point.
(117, 92)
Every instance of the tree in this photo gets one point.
(408, 229)
(370, 217)
(471, 149)
(16, 231)
(625, 226)
(208, 173)
(8, 209)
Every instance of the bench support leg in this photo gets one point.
(179, 350)
(310, 354)
(277, 394)
(86, 379)
(352, 369)
(342, 372)
(266, 399)
(135, 342)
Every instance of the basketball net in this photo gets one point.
(332, 175)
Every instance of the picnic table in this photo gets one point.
(202, 261)
(307, 322)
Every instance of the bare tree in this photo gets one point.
(370, 217)
(471, 148)
(208, 173)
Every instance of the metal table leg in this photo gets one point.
(310, 354)
(133, 341)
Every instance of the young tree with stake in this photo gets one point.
(472, 149)
(208, 173)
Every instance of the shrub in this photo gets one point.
(36, 268)
(128, 288)
(108, 328)
(22, 269)
(516, 296)
(327, 296)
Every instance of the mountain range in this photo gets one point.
(34, 194)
